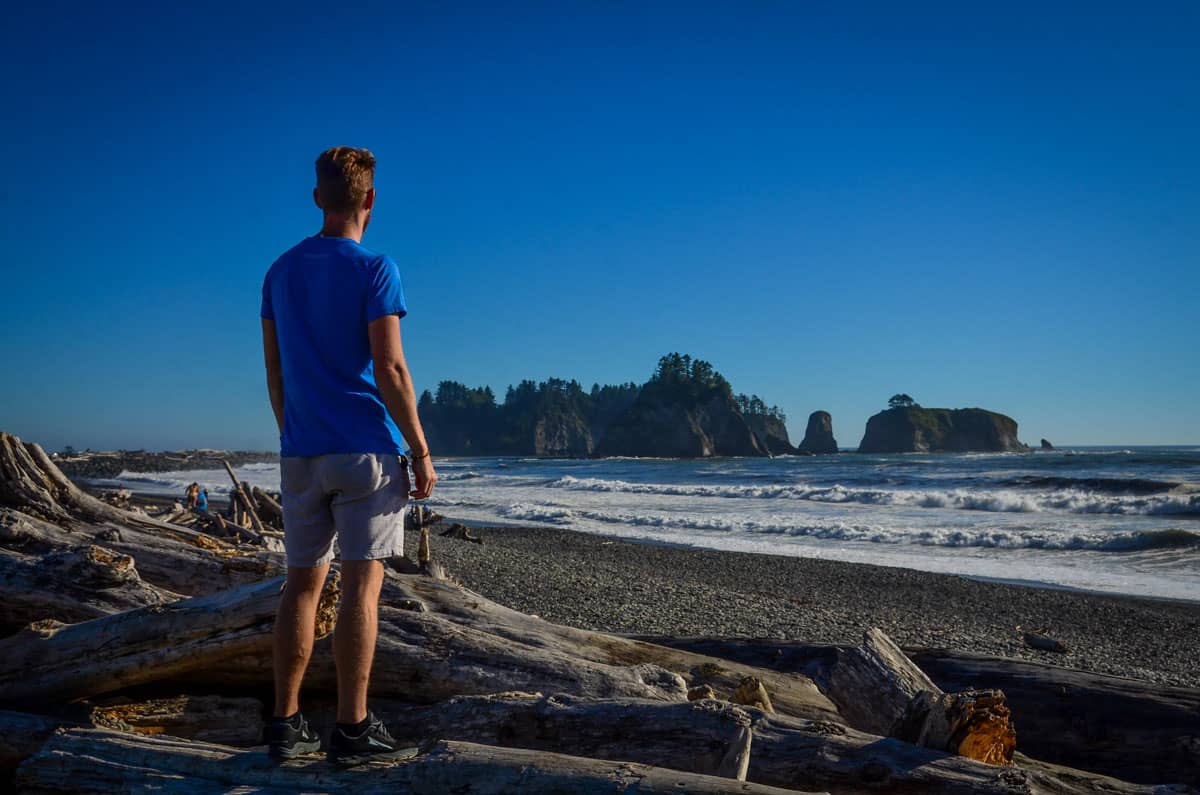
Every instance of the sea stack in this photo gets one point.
(1046, 445)
(686, 410)
(914, 429)
(818, 437)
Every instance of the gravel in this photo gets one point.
(616, 585)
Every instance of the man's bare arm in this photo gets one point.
(274, 370)
(400, 396)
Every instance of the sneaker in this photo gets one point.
(288, 738)
(375, 743)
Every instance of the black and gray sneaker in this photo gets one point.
(287, 738)
(350, 746)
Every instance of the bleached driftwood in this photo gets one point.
(178, 560)
(64, 662)
(242, 494)
(236, 721)
(1128, 728)
(1133, 730)
(831, 756)
(781, 751)
(32, 483)
(99, 761)
(872, 684)
(74, 584)
(879, 690)
(699, 736)
(459, 644)
(268, 505)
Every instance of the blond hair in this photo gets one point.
(344, 177)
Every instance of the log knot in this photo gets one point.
(92, 566)
(44, 629)
(827, 727)
(752, 693)
(668, 683)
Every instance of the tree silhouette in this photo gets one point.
(901, 401)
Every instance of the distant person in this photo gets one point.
(202, 501)
(345, 404)
(193, 492)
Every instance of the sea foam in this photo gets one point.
(998, 500)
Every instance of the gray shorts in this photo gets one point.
(359, 497)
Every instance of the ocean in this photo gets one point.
(1118, 520)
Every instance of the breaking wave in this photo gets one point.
(1068, 500)
(1136, 541)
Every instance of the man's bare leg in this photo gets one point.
(354, 636)
(295, 627)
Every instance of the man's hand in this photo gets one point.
(425, 476)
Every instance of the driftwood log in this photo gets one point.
(1121, 727)
(710, 735)
(268, 505)
(236, 721)
(104, 761)
(175, 559)
(58, 662)
(31, 483)
(72, 584)
(879, 690)
(459, 644)
(242, 494)
(1129, 729)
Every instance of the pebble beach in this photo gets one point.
(615, 585)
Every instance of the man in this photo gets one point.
(345, 405)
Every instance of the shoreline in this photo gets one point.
(1017, 583)
(623, 586)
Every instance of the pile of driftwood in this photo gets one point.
(253, 514)
(136, 654)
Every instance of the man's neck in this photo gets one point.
(351, 228)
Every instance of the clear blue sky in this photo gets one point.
(830, 202)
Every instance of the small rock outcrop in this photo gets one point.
(818, 436)
(1046, 445)
(913, 429)
(771, 432)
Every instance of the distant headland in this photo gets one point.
(685, 410)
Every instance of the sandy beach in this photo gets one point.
(620, 586)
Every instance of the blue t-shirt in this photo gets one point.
(322, 294)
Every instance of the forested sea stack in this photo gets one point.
(686, 410)
(909, 428)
